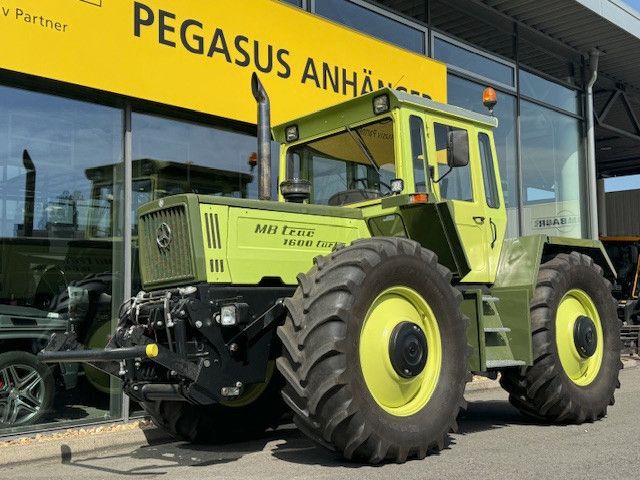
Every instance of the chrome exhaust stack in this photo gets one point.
(264, 137)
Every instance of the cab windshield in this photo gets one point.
(352, 166)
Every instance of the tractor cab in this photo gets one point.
(387, 148)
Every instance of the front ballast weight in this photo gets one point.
(202, 344)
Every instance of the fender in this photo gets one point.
(521, 258)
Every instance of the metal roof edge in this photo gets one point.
(617, 12)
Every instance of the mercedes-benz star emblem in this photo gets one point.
(163, 237)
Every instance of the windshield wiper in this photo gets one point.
(365, 150)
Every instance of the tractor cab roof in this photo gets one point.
(360, 109)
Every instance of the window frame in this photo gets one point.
(449, 123)
(425, 160)
(488, 167)
(287, 162)
(513, 88)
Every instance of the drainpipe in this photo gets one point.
(594, 56)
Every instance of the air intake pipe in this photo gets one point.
(264, 137)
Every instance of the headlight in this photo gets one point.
(233, 314)
(291, 133)
(228, 316)
(397, 185)
(381, 104)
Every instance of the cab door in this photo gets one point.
(463, 187)
(494, 200)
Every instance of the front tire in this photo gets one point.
(375, 351)
(245, 418)
(574, 375)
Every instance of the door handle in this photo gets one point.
(494, 232)
(478, 219)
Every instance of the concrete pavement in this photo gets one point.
(495, 442)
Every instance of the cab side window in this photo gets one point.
(488, 170)
(454, 184)
(418, 153)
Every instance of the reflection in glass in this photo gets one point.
(543, 90)
(172, 157)
(373, 23)
(553, 172)
(186, 157)
(535, 54)
(473, 62)
(456, 19)
(57, 267)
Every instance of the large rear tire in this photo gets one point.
(576, 345)
(245, 418)
(375, 351)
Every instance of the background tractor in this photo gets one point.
(362, 298)
(623, 251)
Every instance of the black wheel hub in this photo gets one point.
(408, 349)
(585, 336)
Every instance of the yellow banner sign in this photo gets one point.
(199, 54)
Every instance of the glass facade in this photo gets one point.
(213, 161)
(543, 90)
(62, 191)
(453, 54)
(466, 24)
(360, 18)
(60, 252)
(552, 171)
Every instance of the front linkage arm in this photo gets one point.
(203, 361)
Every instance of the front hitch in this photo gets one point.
(64, 348)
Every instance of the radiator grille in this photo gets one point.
(214, 220)
(213, 230)
(175, 261)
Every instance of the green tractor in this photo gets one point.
(362, 299)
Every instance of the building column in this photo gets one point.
(602, 207)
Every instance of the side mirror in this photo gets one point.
(457, 148)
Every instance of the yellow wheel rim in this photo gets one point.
(98, 379)
(253, 392)
(397, 395)
(574, 304)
